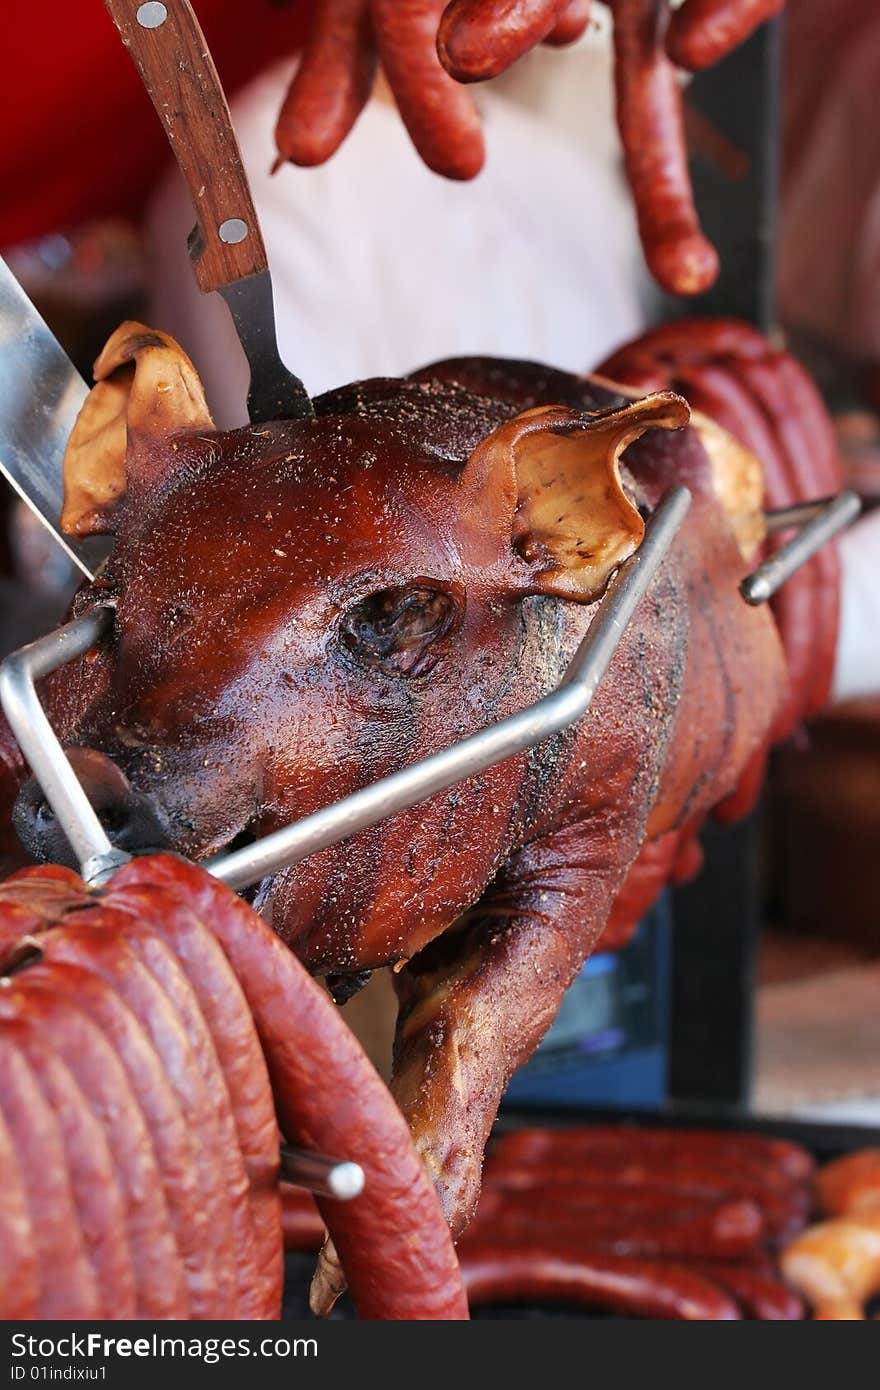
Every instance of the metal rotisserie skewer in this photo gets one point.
(820, 522)
(326, 1177)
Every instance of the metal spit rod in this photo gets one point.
(326, 1177)
(823, 518)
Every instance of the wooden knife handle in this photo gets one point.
(169, 50)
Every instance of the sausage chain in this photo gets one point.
(427, 48)
(173, 1025)
(647, 1222)
(764, 398)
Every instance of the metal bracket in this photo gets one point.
(382, 799)
(44, 754)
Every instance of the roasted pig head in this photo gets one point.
(305, 606)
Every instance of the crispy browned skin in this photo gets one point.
(304, 607)
(517, 950)
(763, 397)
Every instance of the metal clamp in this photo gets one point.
(819, 522)
(371, 804)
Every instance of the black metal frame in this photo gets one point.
(717, 917)
(739, 99)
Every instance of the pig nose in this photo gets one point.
(130, 821)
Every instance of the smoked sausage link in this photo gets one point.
(332, 84)
(649, 118)
(67, 1284)
(760, 1294)
(19, 1276)
(438, 113)
(545, 1273)
(166, 1124)
(702, 32)
(45, 995)
(217, 1124)
(571, 22)
(197, 1005)
(90, 1168)
(301, 1220)
(478, 39)
(394, 1245)
(238, 1050)
(104, 954)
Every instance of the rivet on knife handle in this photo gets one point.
(226, 246)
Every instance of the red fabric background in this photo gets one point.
(80, 137)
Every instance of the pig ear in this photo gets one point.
(146, 391)
(549, 480)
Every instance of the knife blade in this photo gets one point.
(226, 247)
(40, 397)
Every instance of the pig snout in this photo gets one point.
(130, 820)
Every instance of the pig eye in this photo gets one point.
(395, 630)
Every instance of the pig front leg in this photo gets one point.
(476, 1002)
